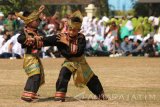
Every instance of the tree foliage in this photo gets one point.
(145, 9)
(21, 5)
(18, 5)
(103, 7)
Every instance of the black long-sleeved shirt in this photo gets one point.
(22, 38)
(63, 48)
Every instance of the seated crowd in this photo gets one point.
(113, 37)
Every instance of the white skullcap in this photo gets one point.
(105, 19)
(151, 18)
(131, 37)
(2, 28)
(139, 38)
(1, 14)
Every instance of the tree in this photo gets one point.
(141, 9)
(18, 5)
(103, 7)
(146, 9)
(30, 5)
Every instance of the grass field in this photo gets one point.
(128, 82)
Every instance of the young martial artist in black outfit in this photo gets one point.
(31, 40)
(72, 47)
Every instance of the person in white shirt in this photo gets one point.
(1, 41)
(11, 48)
(16, 49)
(157, 42)
(6, 50)
(156, 24)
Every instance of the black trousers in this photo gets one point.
(94, 84)
(33, 83)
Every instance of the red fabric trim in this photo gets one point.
(60, 94)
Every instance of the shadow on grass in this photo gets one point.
(67, 99)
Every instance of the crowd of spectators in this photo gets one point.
(113, 37)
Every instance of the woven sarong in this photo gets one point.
(33, 66)
(82, 73)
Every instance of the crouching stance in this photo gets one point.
(72, 47)
(30, 39)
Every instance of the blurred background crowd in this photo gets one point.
(113, 37)
(119, 27)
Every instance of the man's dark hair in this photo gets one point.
(93, 17)
(132, 40)
(26, 13)
(76, 19)
(125, 37)
(11, 13)
(139, 41)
